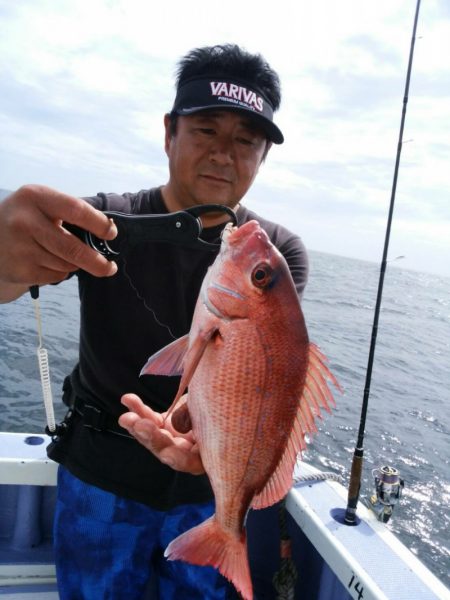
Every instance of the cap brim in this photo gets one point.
(271, 130)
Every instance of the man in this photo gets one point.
(119, 505)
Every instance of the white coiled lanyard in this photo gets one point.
(44, 368)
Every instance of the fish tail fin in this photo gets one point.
(209, 544)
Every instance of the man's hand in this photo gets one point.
(154, 431)
(36, 249)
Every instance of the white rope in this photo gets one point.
(322, 476)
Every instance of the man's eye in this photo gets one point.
(245, 141)
(206, 130)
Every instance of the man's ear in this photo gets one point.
(167, 134)
(266, 151)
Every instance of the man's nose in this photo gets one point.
(222, 151)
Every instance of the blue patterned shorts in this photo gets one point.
(110, 548)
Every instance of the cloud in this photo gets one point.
(85, 87)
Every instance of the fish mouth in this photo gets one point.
(221, 288)
(248, 232)
(226, 232)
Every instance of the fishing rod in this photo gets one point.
(357, 463)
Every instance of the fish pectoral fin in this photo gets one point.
(193, 356)
(316, 395)
(168, 360)
(179, 358)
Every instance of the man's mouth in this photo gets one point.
(215, 178)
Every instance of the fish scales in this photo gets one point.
(256, 384)
(242, 430)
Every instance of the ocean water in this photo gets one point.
(408, 421)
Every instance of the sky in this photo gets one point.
(84, 87)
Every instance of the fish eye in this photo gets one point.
(262, 275)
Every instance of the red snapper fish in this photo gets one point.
(256, 384)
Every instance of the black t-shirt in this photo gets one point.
(124, 320)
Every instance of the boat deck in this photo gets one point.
(333, 561)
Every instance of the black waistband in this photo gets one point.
(98, 419)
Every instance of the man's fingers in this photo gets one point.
(34, 241)
(177, 453)
(66, 246)
(48, 267)
(63, 249)
(180, 460)
(150, 429)
(59, 206)
(135, 405)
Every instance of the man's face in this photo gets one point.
(213, 158)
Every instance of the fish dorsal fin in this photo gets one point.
(168, 360)
(316, 395)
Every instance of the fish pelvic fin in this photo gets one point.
(316, 394)
(209, 544)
